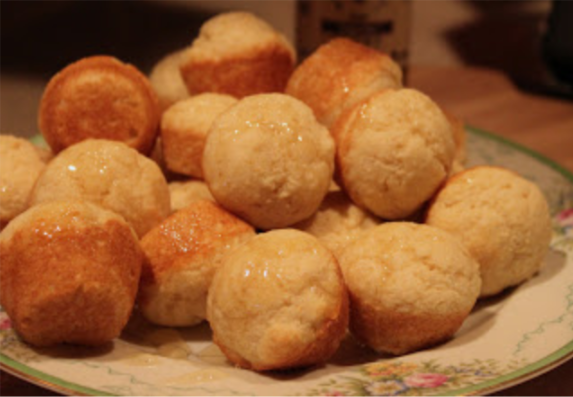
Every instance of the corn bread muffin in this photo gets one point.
(166, 80)
(268, 160)
(239, 54)
(69, 273)
(410, 286)
(181, 257)
(277, 302)
(20, 164)
(184, 127)
(184, 193)
(501, 218)
(340, 74)
(99, 97)
(337, 222)
(110, 174)
(394, 150)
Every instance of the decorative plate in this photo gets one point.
(506, 340)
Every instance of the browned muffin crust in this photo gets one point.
(69, 273)
(99, 97)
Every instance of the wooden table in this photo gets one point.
(485, 99)
(488, 99)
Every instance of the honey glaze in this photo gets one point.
(138, 359)
(150, 345)
(196, 377)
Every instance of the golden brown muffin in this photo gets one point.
(69, 273)
(181, 256)
(184, 193)
(184, 127)
(501, 218)
(394, 151)
(20, 164)
(238, 54)
(337, 222)
(166, 80)
(340, 74)
(277, 302)
(268, 160)
(410, 285)
(110, 174)
(99, 97)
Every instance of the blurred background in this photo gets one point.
(38, 38)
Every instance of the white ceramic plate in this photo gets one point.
(506, 340)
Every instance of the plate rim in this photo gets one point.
(524, 149)
(530, 371)
(521, 375)
(45, 380)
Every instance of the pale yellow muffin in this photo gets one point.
(340, 74)
(20, 164)
(69, 273)
(239, 54)
(394, 151)
(181, 256)
(110, 174)
(166, 80)
(503, 220)
(277, 302)
(99, 97)
(268, 160)
(184, 193)
(410, 285)
(184, 127)
(337, 222)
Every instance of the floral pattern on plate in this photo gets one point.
(392, 378)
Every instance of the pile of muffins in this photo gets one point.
(286, 204)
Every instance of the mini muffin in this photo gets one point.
(184, 193)
(20, 164)
(157, 156)
(278, 302)
(411, 286)
(102, 98)
(337, 222)
(45, 153)
(184, 127)
(181, 257)
(69, 273)
(394, 151)
(501, 218)
(340, 74)
(239, 54)
(166, 80)
(110, 174)
(457, 167)
(268, 160)
(460, 138)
